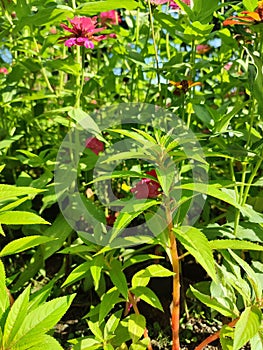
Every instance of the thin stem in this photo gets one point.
(214, 336)
(154, 47)
(80, 78)
(133, 302)
(43, 71)
(176, 281)
(251, 179)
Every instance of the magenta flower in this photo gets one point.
(3, 70)
(110, 17)
(175, 6)
(158, 2)
(95, 145)
(83, 30)
(147, 188)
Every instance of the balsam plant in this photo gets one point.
(25, 321)
(177, 240)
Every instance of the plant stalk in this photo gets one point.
(175, 309)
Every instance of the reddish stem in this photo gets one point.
(176, 282)
(214, 336)
(133, 301)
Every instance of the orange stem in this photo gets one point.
(214, 336)
(176, 282)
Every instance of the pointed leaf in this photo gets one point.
(251, 275)
(22, 244)
(20, 218)
(136, 327)
(16, 317)
(4, 301)
(133, 209)
(41, 342)
(247, 326)
(109, 300)
(147, 295)
(118, 278)
(213, 303)
(11, 191)
(234, 244)
(196, 243)
(78, 273)
(42, 319)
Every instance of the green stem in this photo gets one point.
(251, 179)
(155, 47)
(43, 71)
(80, 78)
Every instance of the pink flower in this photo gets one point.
(147, 188)
(110, 17)
(158, 2)
(203, 48)
(83, 30)
(3, 70)
(228, 65)
(95, 145)
(175, 6)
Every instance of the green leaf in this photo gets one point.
(142, 277)
(255, 73)
(213, 303)
(147, 295)
(112, 324)
(129, 212)
(20, 218)
(109, 300)
(92, 8)
(136, 326)
(117, 174)
(196, 243)
(84, 120)
(223, 123)
(140, 258)
(250, 5)
(42, 342)
(257, 341)
(203, 10)
(67, 65)
(47, 15)
(16, 317)
(226, 337)
(11, 192)
(14, 204)
(139, 279)
(78, 273)
(4, 300)
(96, 268)
(22, 244)
(118, 278)
(252, 276)
(234, 244)
(140, 345)
(247, 326)
(40, 296)
(59, 230)
(42, 319)
(95, 329)
(6, 143)
(86, 344)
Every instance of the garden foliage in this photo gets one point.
(130, 146)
